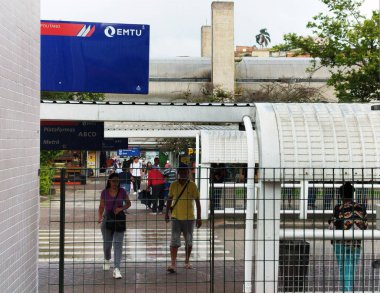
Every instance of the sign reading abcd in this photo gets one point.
(77, 135)
(94, 57)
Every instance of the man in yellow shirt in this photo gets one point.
(182, 195)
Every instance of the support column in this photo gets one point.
(206, 41)
(223, 61)
(268, 236)
(269, 200)
(204, 190)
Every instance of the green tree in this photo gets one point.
(263, 38)
(176, 145)
(348, 44)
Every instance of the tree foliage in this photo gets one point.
(283, 92)
(176, 145)
(46, 172)
(263, 38)
(348, 44)
(72, 96)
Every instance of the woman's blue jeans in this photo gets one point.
(348, 258)
(112, 237)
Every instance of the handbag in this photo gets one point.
(115, 222)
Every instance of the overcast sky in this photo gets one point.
(176, 24)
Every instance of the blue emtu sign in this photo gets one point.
(94, 57)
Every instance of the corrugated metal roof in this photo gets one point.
(329, 136)
(149, 103)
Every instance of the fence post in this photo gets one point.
(304, 190)
(62, 231)
(212, 222)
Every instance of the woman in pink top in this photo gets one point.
(112, 199)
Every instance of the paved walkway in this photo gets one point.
(146, 252)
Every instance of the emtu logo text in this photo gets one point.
(110, 32)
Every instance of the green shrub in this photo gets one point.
(46, 178)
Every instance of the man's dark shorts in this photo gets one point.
(182, 226)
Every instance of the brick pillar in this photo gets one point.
(19, 145)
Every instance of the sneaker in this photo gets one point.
(117, 274)
(106, 265)
(139, 190)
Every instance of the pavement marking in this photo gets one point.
(140, 245)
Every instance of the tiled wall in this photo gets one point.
(19, 144)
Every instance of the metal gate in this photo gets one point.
(71, 244)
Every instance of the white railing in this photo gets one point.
(316, 198)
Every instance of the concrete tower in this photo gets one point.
(206, 41)
(223, 63)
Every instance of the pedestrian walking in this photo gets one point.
(156, 181)
(112, 206)
(136, 168)
(182, 195)
(125, 178)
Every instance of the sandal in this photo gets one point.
(171, 269)
(188, 266)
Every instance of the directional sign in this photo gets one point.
(71, 135)
(78, 135)
(131, 152)
(94, 57)
(111, 144)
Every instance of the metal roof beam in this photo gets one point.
(150, 133)
(147, 112)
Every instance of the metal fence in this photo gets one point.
(292, 247)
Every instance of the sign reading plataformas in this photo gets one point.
(77, 135)
(94, 57)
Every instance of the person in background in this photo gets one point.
(118, 170)
(156, 181)
(125, 164)
(125, 178)
(168, 165)
(156, 164)
(112, 199)
(148, 168)
(182, 195)
(136, 167)
(171, 174)
(348, 215)
(109, 162)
